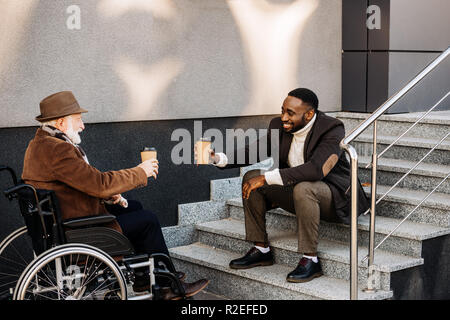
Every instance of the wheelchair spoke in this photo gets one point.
(33, 294)
(19, 255)
(41, 279)
(78, 256)
(16, 252)
(7, 284)
(85, 265)
(8, 275)
(23, 265)
(50, 288)
(101, 287)
(46, 275)
(91, 276)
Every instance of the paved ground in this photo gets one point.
(205, 295)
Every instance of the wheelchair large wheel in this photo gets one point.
(72, 272)
(16, 253)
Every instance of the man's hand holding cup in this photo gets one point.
(149, 163)
(203, 153)
(150, 167)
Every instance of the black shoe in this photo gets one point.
(253, 258)
(305, 271)
(190, 289)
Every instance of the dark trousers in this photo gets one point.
(309, 201)
(141, 227)
(143, 230)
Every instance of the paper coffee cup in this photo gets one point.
(203, 146)
(148, 153)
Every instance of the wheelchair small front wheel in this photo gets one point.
(72, 272)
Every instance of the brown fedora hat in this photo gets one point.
(59, 105)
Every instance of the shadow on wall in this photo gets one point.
(271, 36)
(17, 18)
(130, 60)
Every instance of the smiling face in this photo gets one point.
(295, 115)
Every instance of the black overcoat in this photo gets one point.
(323, 160)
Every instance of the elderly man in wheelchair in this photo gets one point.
(84, 240)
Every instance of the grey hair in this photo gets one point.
(53, 122)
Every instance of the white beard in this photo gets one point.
(74, 136)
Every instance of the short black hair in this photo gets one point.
(307, 96)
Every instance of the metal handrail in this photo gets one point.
(345, 145)
(409, 214)
(412, 126)
(409, 171)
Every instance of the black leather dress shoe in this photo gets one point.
(253, 258)
(305, 271)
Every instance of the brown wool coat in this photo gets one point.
(53, 164)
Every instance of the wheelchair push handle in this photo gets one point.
(11, 171)
(11, 193)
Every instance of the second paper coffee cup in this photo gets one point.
(148, 153)
(203, 146)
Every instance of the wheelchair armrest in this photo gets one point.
(88, 221)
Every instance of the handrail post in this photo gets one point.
(373, 205)
(354, 221)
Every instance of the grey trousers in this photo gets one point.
(309, 201)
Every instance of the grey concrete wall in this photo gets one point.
(411, 34)
(403, 66)
(419, 25)
(135, 60)
(419, 29)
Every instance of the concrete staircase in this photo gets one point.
(411, 264)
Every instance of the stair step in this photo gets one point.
(224, 189)
(264, 165)
(403, 166)
(262, 283)
(404, 195)
(397, 204)
(408, 148)
(413, 142)
(401, 201)
(434, 117)
(334, 255)
(196, 212)
(435, 124)
(384, 225)
(407, 239)
(425, 177)
(327, 249)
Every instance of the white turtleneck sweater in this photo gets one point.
(295, 156)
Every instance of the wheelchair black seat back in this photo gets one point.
(54, 239)
(42, 216)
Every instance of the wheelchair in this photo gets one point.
(76, 259)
